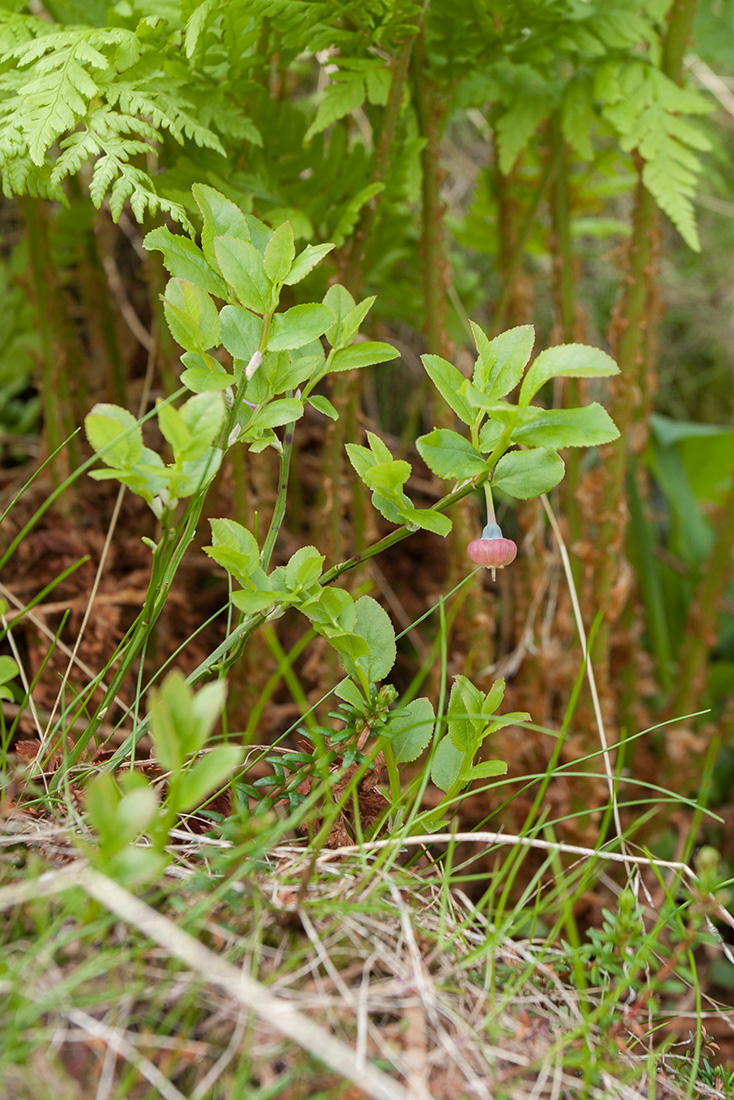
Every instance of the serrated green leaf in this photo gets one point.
(207, 776)
(203, 416)
(222, 218)
(427, 519)
(191, 315)
(341, 303)
(411, 730)
(449, 455)
(362, 355)
(374, 626)
(566, 361)
(241, 332)
(185, 260)
(279, 254)
(387, 477)
(116, 432)
(251, 603)
(586, 427)
(242, 266)
(446, 765)
(299, 326)
(284, 411)
(323, 405)
(448, 381)
(173, 429)
(525, 474)
(488, 769)
(306, 261)
(511, 351)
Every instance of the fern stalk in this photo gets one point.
(631, 339)
(703, 612)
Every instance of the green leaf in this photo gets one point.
(252, 602)
(191, 315)
(348, 691)
(203, 373)
(8, 669)
(449, 382)
(411, 730)
(511, 351)
(299, 326)
(233, 547)
(241, 332)
(449, 455)
(362, 355)
(279, 254)
(306, 261)
(185, 260)
(174, 429)
(323, 405)
(487, 770)
(284, 411)
(427, 518)
(446, 765)
(525, 474)
(243, 268)
(566, 361)
(207, 776)
(387, 477)
(341, 303)
(464, 714)
(221, 219)
(203, 416)
(587, 427)
(116, 432)
(373, 624)
(494, 697)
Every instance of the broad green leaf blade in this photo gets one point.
(243, 268)
(8, 669)
(373, 624)
(448, 381)
(428, 519)
(323, 405)
(241, 332)
(446, 765)
(207, 776)
(341, 303)
(586, 427)
(221, 219)
(191, 315)
(388, 477)
(185, 260)
(299, 326)
(362, 355)
(348, 691)
(306, 261)
(566, 361)
(449, 455)
(203, 415)
(507, 356)
(174, 430)
(277, 413)
(487, 769)
(525, 474)
(411, 730)
(279, 254)
(116, 432)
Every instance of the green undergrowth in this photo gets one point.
(461, 964)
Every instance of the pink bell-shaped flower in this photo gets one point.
(492, 550)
